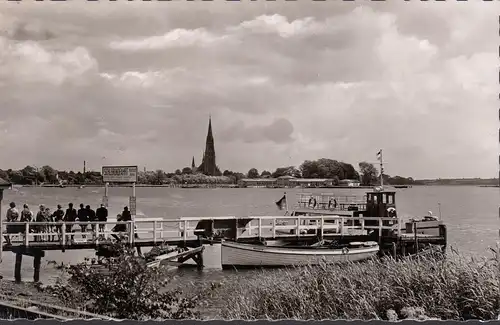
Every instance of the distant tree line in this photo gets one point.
(367, 174)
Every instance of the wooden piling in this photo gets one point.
(199, 261)
(37, 262)
(17, 268)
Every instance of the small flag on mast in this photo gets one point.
(379, 155)
(281, 203)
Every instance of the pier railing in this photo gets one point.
(57, 235)
(307, 226)
(327, 201)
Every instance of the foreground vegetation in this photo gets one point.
(455, 288)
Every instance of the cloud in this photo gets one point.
(278, 24)
(29, 62)
(175, 38)
(279, 131)
(282, 83)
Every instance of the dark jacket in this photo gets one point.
(70, 215)
(83, 215)
(126, 216)
(102, 214)
(58, 215)
(91, 215)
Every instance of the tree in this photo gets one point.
(49, 174)
(328, 168)
(265, 174)
(287, 171)
(368, 173)
(253, 173)
(178, 172)
(186, 170)
(159, 177)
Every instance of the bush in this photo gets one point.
(124, 287)
(455, 288)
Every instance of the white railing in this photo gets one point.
(157, 231)
(325, 199)
(298, 226)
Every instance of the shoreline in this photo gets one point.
(233, 186)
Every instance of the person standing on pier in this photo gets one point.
(39, 218)
(92, 218)
(49, 218)
(102, 216)
(82, 217)
(11, 216)
(127, 216)
(26, 216)
(58, 217)
(70, 216)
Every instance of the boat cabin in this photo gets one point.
(381, 204)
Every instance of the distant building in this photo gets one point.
(208, 165)
(349, 182)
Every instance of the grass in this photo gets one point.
(455, 288)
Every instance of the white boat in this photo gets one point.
(235, 254)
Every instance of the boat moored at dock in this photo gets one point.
(241, 255)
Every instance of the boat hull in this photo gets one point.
(238, 255)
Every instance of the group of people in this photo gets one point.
(84, 214)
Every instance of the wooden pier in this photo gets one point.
(17, 308)
(190, 234)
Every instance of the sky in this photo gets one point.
(133, 83)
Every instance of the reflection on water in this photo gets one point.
(469, 212)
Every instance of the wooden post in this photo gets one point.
(1, 226)
(200, 260)
(362, 226)
(131, 232)
(322, 223)
(185, 230)
(37, 262)
(26, 234)
(274, 228)
(380, 224)
(154, 231)
(63, 231)
(260, 228)
(416, 237)
(17, 267)
(297, 226)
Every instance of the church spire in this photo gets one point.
(208, 165)
(210, 136)
(193, 166)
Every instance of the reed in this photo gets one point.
(455, 288)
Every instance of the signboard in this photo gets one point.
(132, 205)
(119, 174)
(105, 201)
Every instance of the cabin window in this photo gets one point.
(384, 198)
(390, 199)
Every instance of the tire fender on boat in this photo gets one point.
(345, 250)
(332, 203)
(312, 202)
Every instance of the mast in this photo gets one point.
(381, 169)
